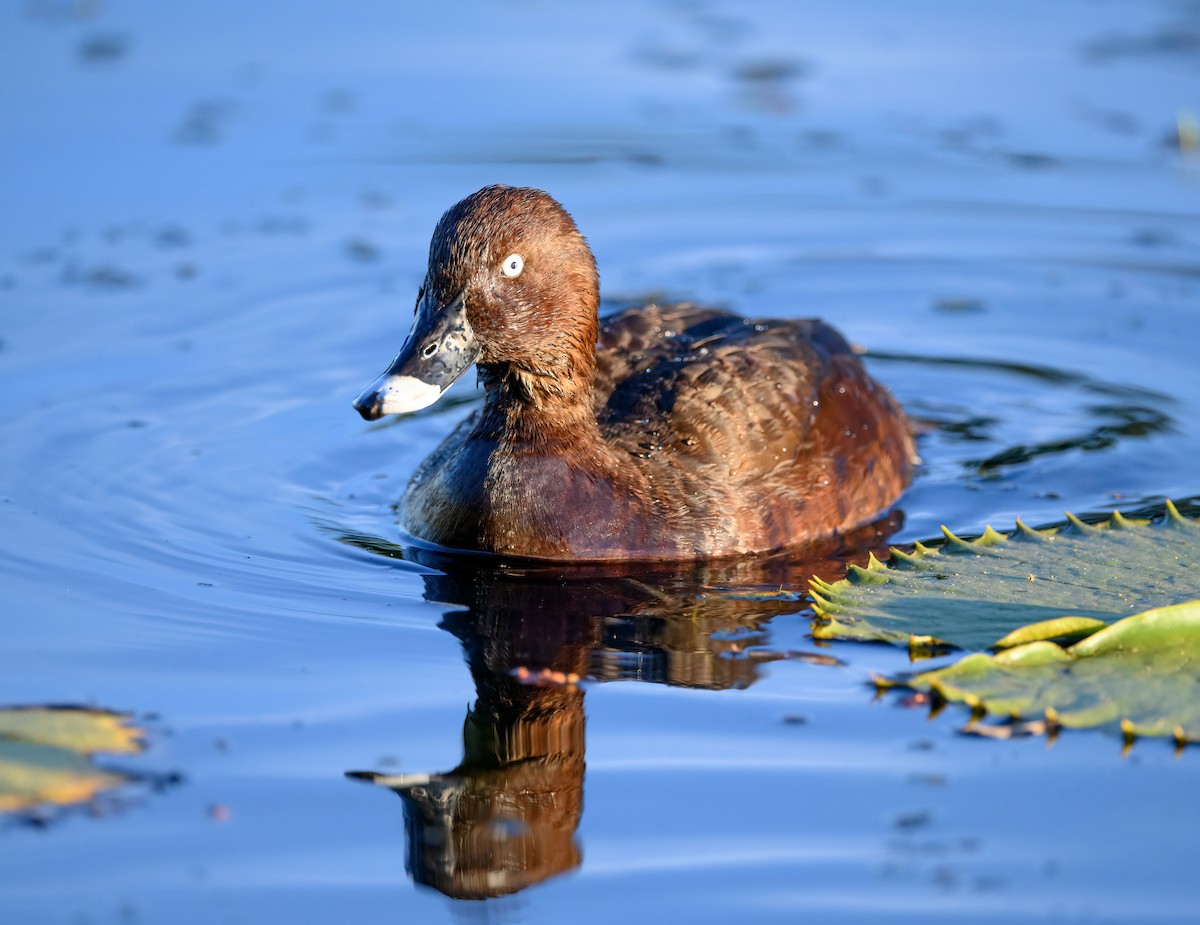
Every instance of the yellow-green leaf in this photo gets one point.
(1140, 676)
(1060, 628)
(76, 728)
(46, 754)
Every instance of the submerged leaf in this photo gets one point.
(970, 593)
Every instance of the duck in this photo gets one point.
(662, 432)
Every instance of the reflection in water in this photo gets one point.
(506, 817)
(1127, 412)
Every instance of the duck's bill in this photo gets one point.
(439, 349)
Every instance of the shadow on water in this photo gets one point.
(505, 818)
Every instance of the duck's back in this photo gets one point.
(758, 433)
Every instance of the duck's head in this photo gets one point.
(511, 284)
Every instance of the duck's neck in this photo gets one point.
(528, 407)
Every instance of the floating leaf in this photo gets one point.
(1060, 628)
(74, 728)
(1141, 675)
(31, 775)
(970, 593)
(45, 754)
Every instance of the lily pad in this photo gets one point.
(78, 729)
(46, 754)
(971, 593)
(1141, 675)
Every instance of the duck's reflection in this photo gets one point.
(506, 817)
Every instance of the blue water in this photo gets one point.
(216, 221)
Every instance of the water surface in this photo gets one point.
(217, 219)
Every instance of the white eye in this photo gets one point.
(513, 265)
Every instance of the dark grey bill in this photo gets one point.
(440, 347)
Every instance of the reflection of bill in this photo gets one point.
(46, 755)
(506, 817)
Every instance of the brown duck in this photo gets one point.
(665, 432)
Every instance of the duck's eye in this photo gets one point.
(513, 265)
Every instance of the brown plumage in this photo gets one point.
(669, 432)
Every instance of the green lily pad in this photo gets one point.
(1141, 675)
(969, 594)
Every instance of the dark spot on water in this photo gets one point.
(795, 719)
(172, 236)
(817, 139)
(1114, 121)
(100, 278)
(1030, 160)
(959, 305)
(136, 423)
(976, 427)
(908, 822)
(361, 250)
(104, 48)
(772, 70)
(204, 584)
(40, 256)
(1154, 237)
(185, 271)
(645, 159)
(766, 85)
(206, 122)
(975, 134)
